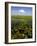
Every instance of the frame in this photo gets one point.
(29, 11)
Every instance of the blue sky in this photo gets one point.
(21, 10)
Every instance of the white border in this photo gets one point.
(33, 23)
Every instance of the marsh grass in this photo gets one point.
(21, 27)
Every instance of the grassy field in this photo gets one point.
(21, 27)
(27, 18)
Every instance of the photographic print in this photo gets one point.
(20, 20)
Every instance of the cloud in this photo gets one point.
(22, 11)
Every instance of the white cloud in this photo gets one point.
(22, 11)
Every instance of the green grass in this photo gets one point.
(21, 25)
(24, 19)
(21, 17)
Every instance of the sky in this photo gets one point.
(26, 11)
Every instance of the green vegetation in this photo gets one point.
(21, 27)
